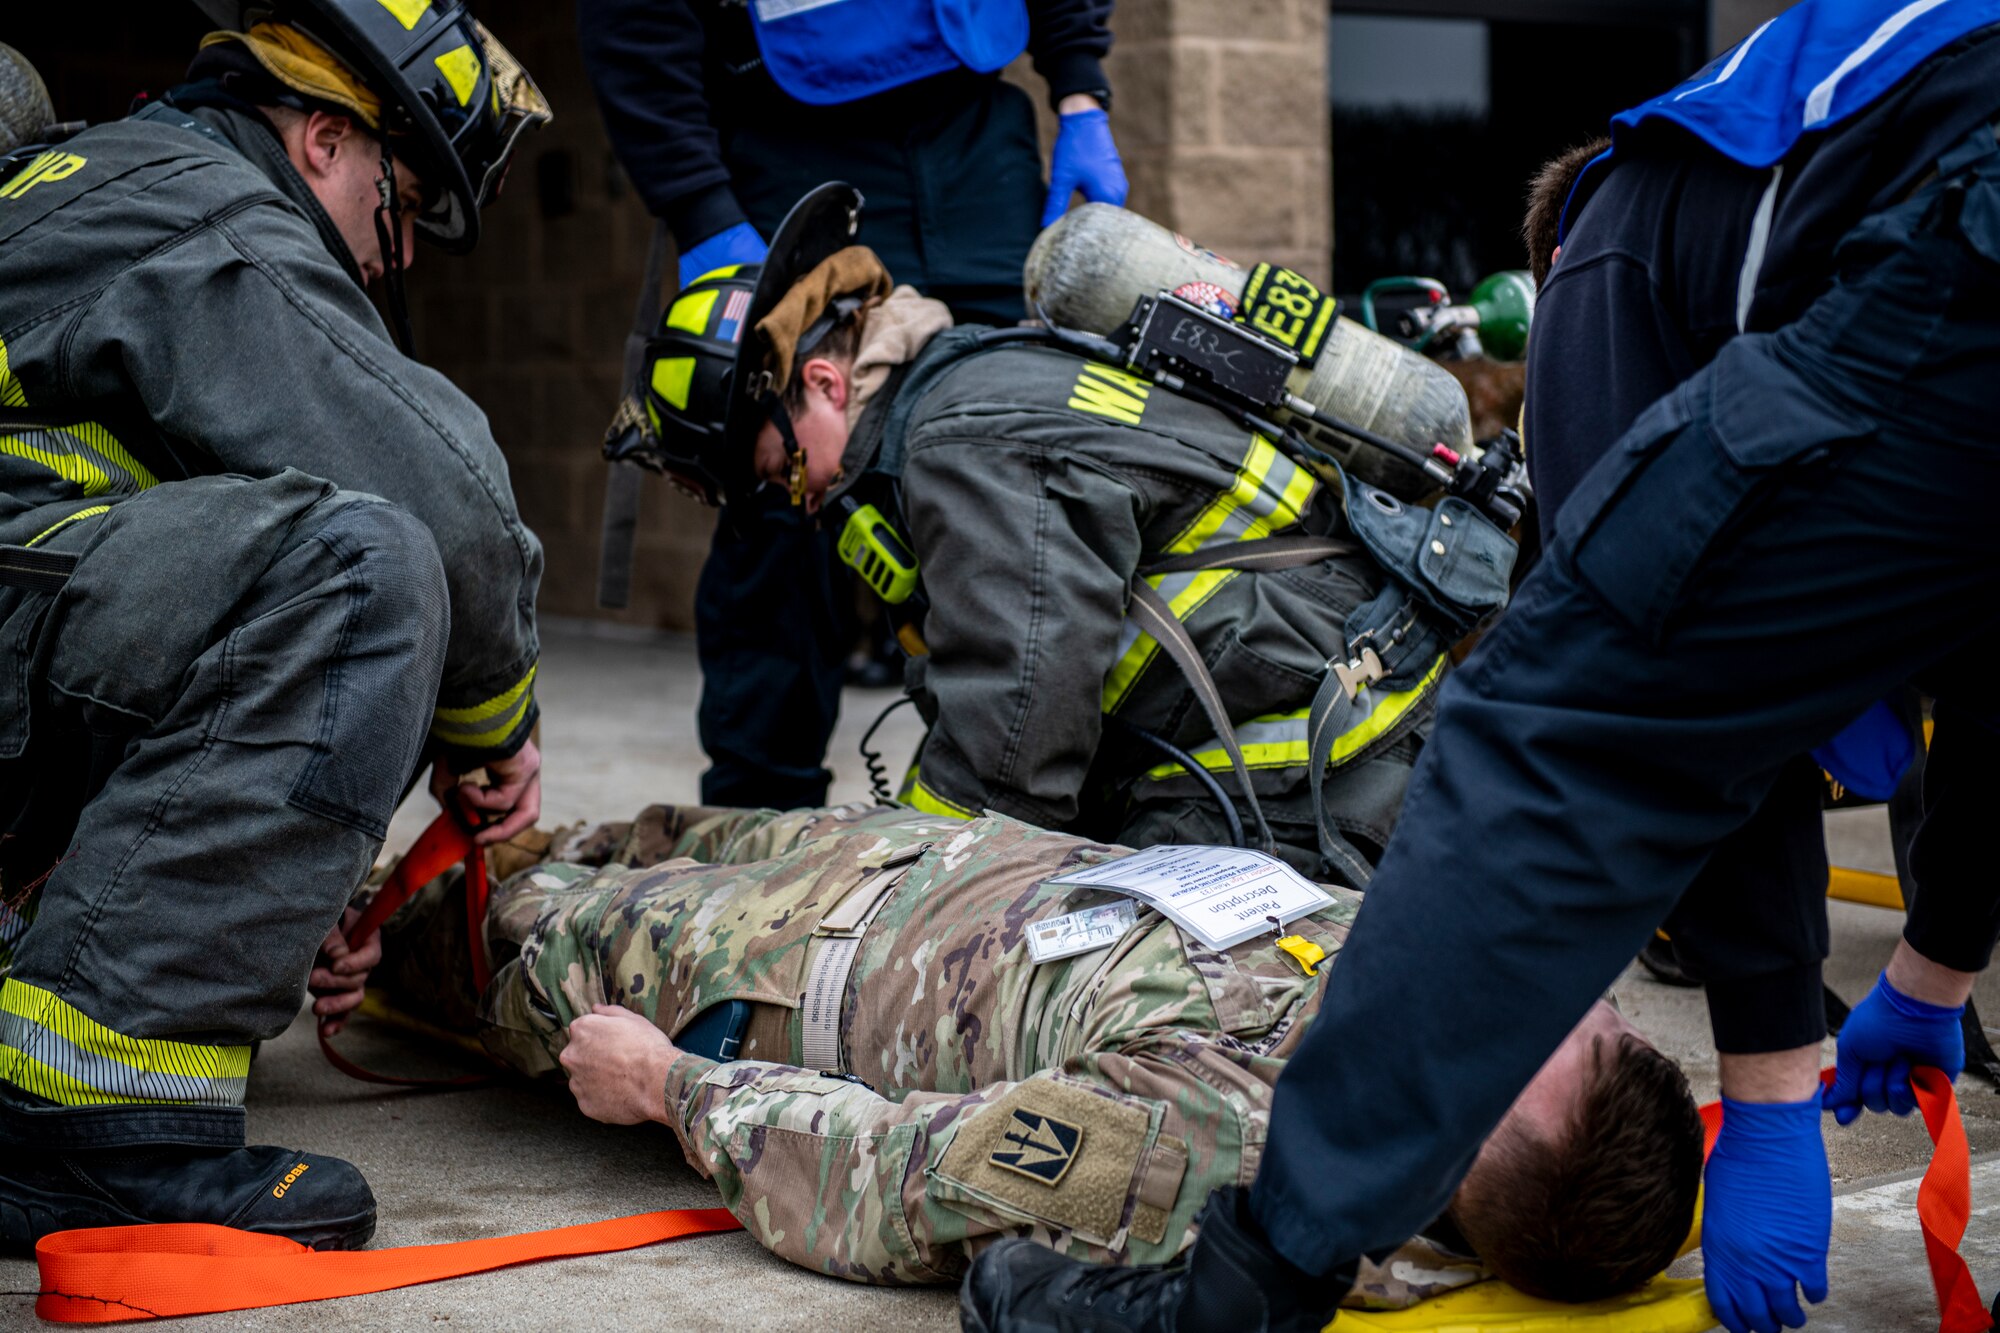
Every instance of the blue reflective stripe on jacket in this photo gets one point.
(1808, 69)
(831, 51)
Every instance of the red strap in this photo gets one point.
(102, 1275)
(1944, 1199)
(437, 849)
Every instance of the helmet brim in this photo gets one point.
(818, 226)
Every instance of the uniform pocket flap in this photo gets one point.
(1763, 420)
(1465, 558)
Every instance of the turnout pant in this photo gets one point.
(1788, 537)
(226, 702)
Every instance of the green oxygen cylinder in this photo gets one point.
(1089, 269)
(1504, 306)
(25, 109)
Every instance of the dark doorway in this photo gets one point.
(1443, 109)
(96, 58)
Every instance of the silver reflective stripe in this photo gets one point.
(1735, 63)
(1760, 243)
(769, 11)
(1819, 104)
(113, 1080)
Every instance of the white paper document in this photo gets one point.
(1073, 933)
(1220, 895)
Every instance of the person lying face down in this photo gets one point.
(885, 1123)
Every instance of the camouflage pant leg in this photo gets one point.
(1108, 1159)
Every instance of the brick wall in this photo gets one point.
(1220, 117)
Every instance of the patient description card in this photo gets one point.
(1220, 895)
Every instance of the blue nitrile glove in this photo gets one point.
(1085, 159)
(1886, 1036)
(739, 244)
(1767, 1215)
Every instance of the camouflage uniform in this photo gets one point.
(1092, 1102)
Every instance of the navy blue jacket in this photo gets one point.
(670, 74)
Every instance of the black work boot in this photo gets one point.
(64, 1167)
(1230, 1281)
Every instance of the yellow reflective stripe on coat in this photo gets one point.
(1279, 740)
(52, 1049)
(83, 452)
(928, 801)
(1269, 494)
(485, 725)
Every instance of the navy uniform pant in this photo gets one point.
(1792, 534)
(953, 182)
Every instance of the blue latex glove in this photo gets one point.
(1767, 1215)
(1883, 1039)
(1085, 159)
(739, 244)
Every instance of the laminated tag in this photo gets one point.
(1080, 932)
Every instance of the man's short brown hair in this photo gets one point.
(1547, 195)
(1605, 1207)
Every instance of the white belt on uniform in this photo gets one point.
(836, 940)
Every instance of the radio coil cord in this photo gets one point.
(878, 771)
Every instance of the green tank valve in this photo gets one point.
(877, 552)
(1505, 303)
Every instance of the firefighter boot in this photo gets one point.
(118, 1166)
(1230, 1281)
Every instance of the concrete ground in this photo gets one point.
(617, 734)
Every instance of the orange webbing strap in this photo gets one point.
(1944, 1199)
(101, 1275)
(437, 849)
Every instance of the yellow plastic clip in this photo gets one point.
(1304, 952)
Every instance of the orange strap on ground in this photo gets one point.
(1944, 1199)
(102, 1275)
(446, 843)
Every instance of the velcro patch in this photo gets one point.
(1039, 1146)
(1052, 1150)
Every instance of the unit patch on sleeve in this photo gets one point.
(1054, 1150)
(1038, 1146)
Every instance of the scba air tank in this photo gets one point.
(1087, 271)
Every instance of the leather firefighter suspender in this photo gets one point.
(1155, 616)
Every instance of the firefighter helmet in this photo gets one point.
(453, 98)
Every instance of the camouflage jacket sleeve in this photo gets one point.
(271, 357)
(1027, 551)
(824, 1171)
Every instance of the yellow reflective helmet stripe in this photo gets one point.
(673, 377)
(52, 1049)
(928, 801)
(1268, 495)
(460, 67)
(485, 725)
(407, 12)
(691, 312)
(726, 271)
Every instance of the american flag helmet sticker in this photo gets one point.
(733, 311)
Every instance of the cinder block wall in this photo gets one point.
(1220, 115)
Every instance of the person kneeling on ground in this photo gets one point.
(1036, 497)
(914, 1086)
